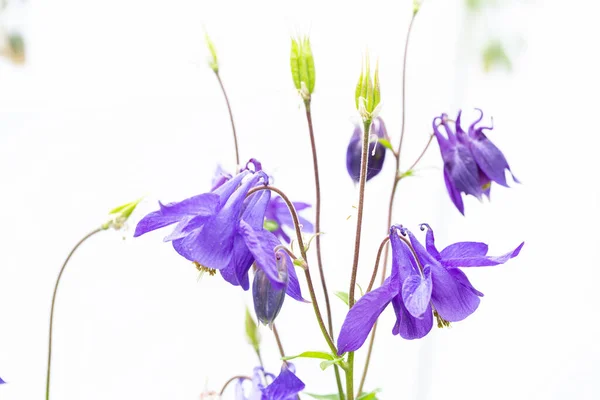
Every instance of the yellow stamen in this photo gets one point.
(202, 268)
(441, 322)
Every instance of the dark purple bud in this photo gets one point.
(267, 300)
(376, 150)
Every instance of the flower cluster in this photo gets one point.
(471, 160)
(423, 284)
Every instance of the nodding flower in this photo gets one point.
(376, 150)
(471, 161)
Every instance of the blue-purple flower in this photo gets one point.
(1, 381)
(278, 216)
(471, 160)
(283, 387)
(223, 230)
(376, 150)
(430, 285)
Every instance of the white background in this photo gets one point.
(116, 101)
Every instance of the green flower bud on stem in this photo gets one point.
(303, 67)
(213, 62)
(368, 95)
(120, 215)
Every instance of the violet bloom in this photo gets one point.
(278, 216)
(1, 381)
(376, 150)
(223, 230)
(471, 160)
(418, 291)
(286, 386)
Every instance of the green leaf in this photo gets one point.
(311, 354)
(328, 363)
(372, 395)
(386, 143)
(252, 331)
(343, 296)
(334, 396)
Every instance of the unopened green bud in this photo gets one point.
(120, 215)
(303, 67)
(368, 94)
(213, 63)
(416, 6)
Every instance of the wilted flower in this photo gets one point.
(471, 160)
(278, 215)
(418, 291)
(286, 386)
(376, 150)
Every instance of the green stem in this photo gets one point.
(62, 269)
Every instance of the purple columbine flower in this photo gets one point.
(286, 386)
(376, 150)
(471, 160)
(278, 216)
(418, 291)
(223, 230)
(1, 381)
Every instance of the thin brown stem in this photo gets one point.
(278, 340)
(318, 215)
(422, 154)
(318, 235)
(235, 141)
(403, 128)
(62, 269)
(376, 267)
(231, 380)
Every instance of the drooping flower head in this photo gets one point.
(283, 387)
(376, 150)
(223, 230)
(420, 288)
(471, 160)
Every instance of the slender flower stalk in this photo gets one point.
(397, 178)
(62, 269)
(235, 140)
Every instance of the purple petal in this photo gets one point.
(261, 244)
(212, 246)
(293, 288)
(416, 293)
(463, 280)
(236, 272)
(464, 249)
(298, 205)
(454, 193)
(1, 381)
(424, 257)
(481, 260)
(462, 170)
(361, 317)
(226, 190)
(452, 300)
(403, 262)
(430, 242)
(490, 159)
(205, 204)
(154, 220)
(408, 326)
(285, 387)
(254, 208)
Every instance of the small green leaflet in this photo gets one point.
(386, 143)
(364, 396)
(329, 359)
(343, 296)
